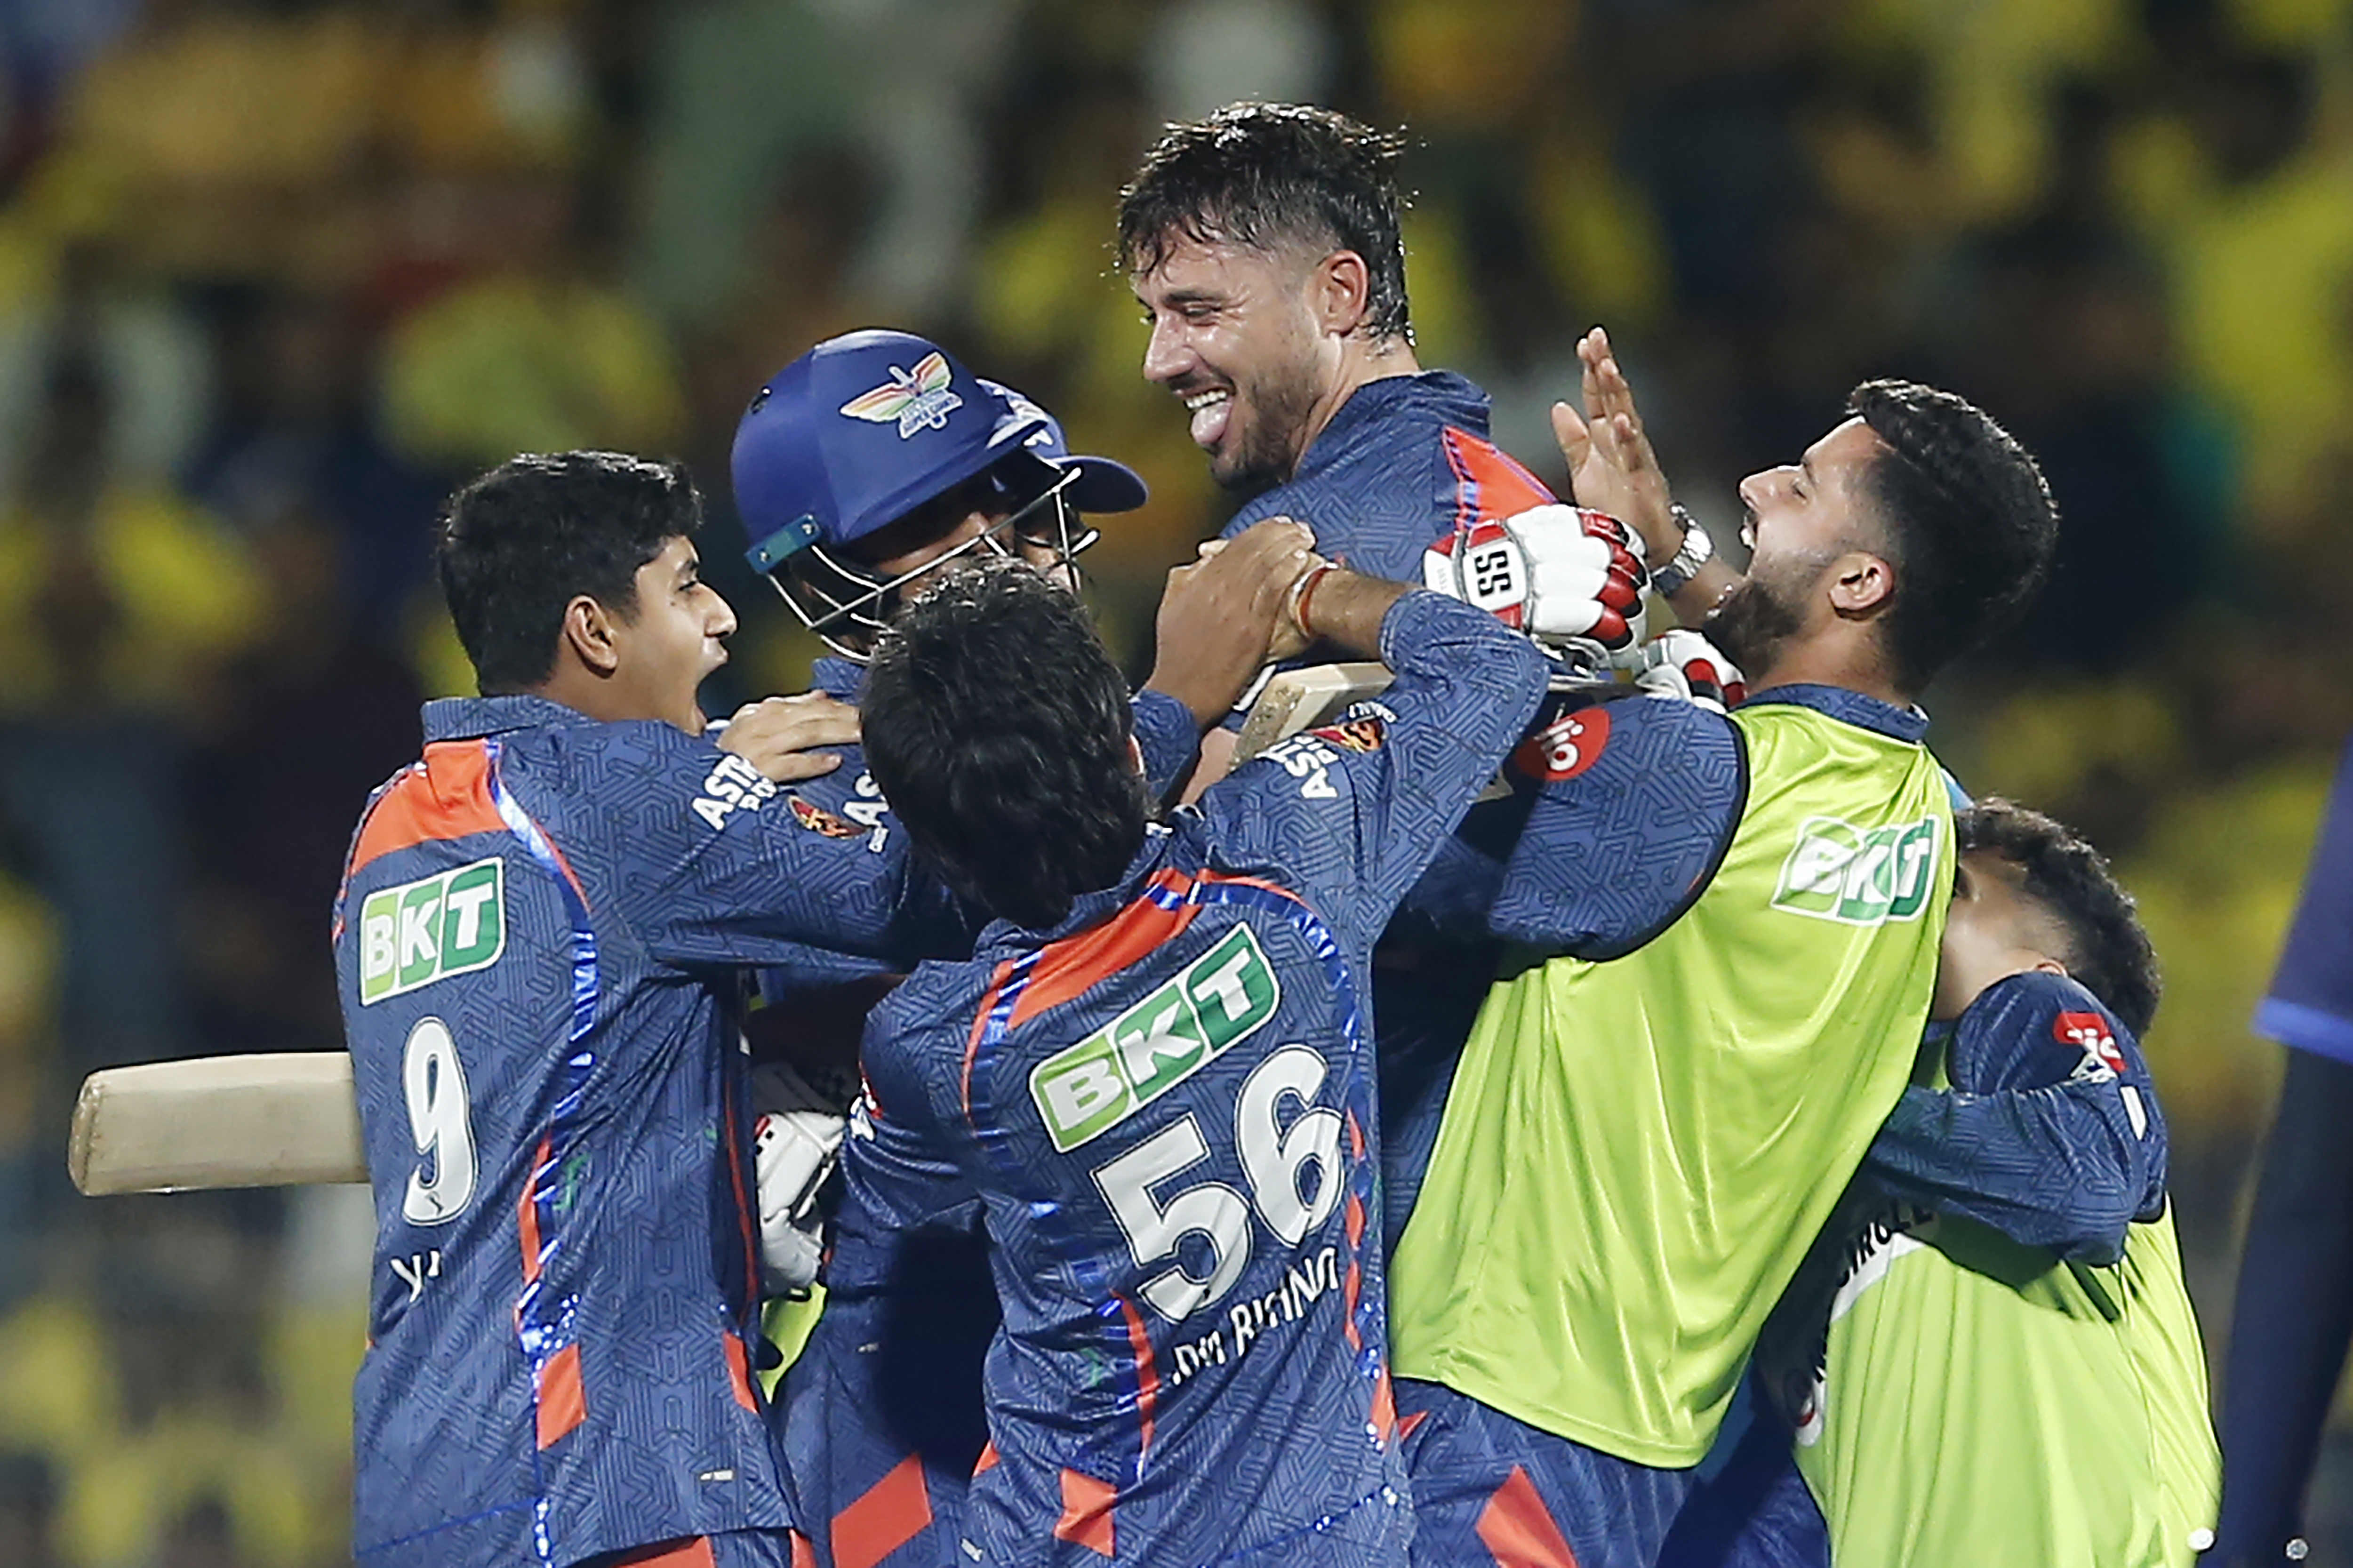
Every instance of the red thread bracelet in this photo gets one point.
(1304, 590)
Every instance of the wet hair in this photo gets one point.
(519, 543)
(1272, 175)
(997, 726)
(1970, 523)
(2108, 950)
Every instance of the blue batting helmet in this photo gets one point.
(863, 429)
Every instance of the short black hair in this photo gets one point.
(997, 726)
(525, 540)
(1267, 174)
(1970, 523)
(2109, 951)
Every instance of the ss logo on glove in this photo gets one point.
(1564, 575)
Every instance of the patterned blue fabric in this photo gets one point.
(1192, 1364)
(538, 946)
(1488, 1489)
(2310, 1005)
(2052, 1134)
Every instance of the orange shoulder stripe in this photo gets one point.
(447, 795)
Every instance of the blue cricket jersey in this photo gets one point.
(880, 1416)
(539, 944)
(1164, 1110)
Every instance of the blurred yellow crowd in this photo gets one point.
(273, 273)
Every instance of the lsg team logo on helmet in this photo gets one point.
(1859, 876)
(1157, 1044)
(918, 399)
(426, 931)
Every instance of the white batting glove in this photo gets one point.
(1565, 575)
(1684, 664)
(793, 1148)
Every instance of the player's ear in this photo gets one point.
(1339, 290)
(2051, 966)
(589, 632)
(1136, 756)
(1862, 584)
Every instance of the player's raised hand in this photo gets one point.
(1222, 614)
(1612, 466)
(1567, 575)
(783, 736)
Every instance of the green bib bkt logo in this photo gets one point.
(1157, 1044)
(1862, 877)
(422, 931)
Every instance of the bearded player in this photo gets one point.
(1264, 243)
(1715, 1004)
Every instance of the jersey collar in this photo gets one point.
(1455, 399)
(1089, 909)
(471, 718)
(1909, 725)
(836, 678)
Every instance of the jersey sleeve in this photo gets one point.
(1167, 736)
(2310, 1003)
(2050, 1133)
(1636, 801)
(1353, 812)
(900, 1178)
(715, 865)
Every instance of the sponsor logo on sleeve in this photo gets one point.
(1859, 876)
(1085, 1089)
(1355, 734)
(431, 928)
(819, 820)
(1565, 747)
(2088, 1033)
(733, 786)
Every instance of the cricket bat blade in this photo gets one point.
(272, 1120)
(1299, 700)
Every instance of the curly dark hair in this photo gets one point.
(2109, 951)
(1272, 174)
(518, 543)
(1971, 522)
(997, 726)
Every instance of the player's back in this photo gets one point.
(532, 946)
(1167, 1105)
(1181, 1157)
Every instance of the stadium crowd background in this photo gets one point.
(273, 273)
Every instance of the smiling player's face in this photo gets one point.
(1234, 336)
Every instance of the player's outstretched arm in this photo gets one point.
(1223, 615)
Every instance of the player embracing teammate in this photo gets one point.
(1149, 1092)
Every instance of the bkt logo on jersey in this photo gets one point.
(1158, 1043)
(426, 931)
(1856, 875)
